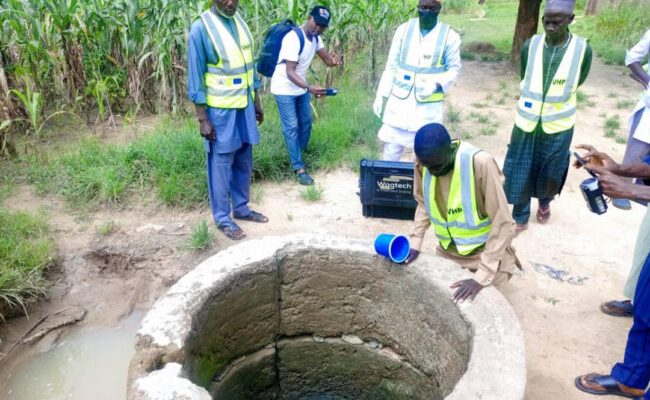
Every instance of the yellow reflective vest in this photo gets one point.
(420, 62)
(463, 226)
(556, 110)
(228, 82)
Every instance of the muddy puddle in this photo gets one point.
(91, 363)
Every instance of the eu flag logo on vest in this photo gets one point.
(236, 81)
(528, 104)
(407, 77)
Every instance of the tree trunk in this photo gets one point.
(527, 21)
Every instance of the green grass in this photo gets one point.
(496, 28)
(612, 123)
(256, 193)
(453, 115)
(26, 251)
(624, 104)
(311, 193)
(107, 228)
(610, 33)
(170, 162)
(583, 99)
(7, 185)
(201, 238)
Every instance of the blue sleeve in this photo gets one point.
(196, 64)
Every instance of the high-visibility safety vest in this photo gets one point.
(463, 226)
(228, 82)
(556, 110)
(420, 62)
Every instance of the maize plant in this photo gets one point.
(66, 49)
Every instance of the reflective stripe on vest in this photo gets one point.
(556, 110)
(228, 82)
(463, 225)
(419, 68)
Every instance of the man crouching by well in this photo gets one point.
(459, 190)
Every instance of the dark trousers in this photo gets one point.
(634, 371)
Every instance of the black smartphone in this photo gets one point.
(583, 162)
(331, 92)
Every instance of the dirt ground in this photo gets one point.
(565, 333)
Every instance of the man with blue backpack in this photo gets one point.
(287, 54)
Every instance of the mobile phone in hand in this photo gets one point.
(331, 92)
(583, 162)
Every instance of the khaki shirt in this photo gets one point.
(498, 253)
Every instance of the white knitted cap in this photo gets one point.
(560, 6)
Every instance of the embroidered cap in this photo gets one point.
(321, 15)
(560, 6)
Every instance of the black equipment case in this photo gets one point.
(386, 189)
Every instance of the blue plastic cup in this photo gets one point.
(394, 247)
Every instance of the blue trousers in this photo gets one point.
(296, 121)
(634, 371)
(229, 176)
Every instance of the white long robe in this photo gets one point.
(638, 53)
(403, 117)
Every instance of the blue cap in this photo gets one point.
(321, 15)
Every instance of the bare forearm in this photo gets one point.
(638, 170)
(296, 79)
(639, 72)
(637, 192)
(328, 60)
(201, 113)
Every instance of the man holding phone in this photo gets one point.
(630, 377)
(291, 89)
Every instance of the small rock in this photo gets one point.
(177, 226)
(318, 339)
(373, 344)
(150, 227)
(352, 339)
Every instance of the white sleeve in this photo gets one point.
(388, 76)
(290, 49)
(320, 44)
(451, 60)
(639, 51)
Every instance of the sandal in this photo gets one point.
(618, 308)
(543, 215)
(606, 386)
(232, 231)
(254, 216)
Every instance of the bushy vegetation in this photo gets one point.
(615, 29)
(202, 237)
(99, 57)
(171, 161)
(26, 251)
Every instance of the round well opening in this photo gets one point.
(325, 324)
(310, 317)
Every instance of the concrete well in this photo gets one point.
(313, 317)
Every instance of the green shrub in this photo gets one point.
(201, 238)
(26, 251)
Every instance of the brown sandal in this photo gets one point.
(254, 216)
(618, 308)
(543, 215)
(232, 231)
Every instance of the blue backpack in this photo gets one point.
(268, 58)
